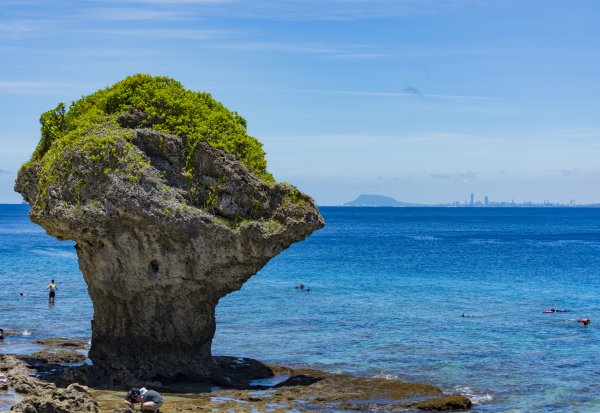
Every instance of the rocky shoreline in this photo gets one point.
(47, 385)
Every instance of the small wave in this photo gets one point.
(387, 376)
(26, 333)
(475, 397)
(563, 243)
(484, 241)
(270, 381)
(54, 253)
(423, 238)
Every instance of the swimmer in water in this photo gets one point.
(585, 321)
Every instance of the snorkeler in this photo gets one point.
(585, 320)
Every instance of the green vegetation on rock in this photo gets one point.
(160, 103)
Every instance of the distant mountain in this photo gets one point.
(377, 201)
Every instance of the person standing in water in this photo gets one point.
(52, 287)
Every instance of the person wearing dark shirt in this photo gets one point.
(151, 401)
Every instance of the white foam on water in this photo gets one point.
(473, 396)
(26, 333)
(270, 381)
(387, 376)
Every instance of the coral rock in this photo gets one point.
(164, 227)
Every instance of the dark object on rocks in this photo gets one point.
(57, 356)
(238, 372)
(165, 226)
(299, 380)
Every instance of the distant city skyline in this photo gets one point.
(421, 100)
(473, 201)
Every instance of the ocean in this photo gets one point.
(388, 291)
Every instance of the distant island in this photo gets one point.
(378, 201)
(364, 200)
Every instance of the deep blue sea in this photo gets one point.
(388, 288)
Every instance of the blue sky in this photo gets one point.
(422, 100)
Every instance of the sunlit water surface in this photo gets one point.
(388, 287)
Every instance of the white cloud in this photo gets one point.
(19, 29)
(190, 34)
(316, 10)
(132, 14)
(461, 176)
(39, 87)
(407, 93)
(582, 133)
(172, 2)
(336, 51)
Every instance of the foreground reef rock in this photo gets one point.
(171, 207)
(304, 391)
(38, 396)
(298, 390)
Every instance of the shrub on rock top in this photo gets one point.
(158, 103)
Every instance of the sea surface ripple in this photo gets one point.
(388, 288)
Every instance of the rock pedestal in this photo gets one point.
(163, 230)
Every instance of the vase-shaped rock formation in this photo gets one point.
(164, 225)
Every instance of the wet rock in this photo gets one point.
(57, 356)
(238, 372)
(42, 396)
(73, 399)
(164, 227)
(445, 403)
(30, 385)
(451, 402)
(312, 390)
(62, 342)
(18, 376)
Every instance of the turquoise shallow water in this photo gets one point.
(388, 287)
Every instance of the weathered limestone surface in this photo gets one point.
(159, 249)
